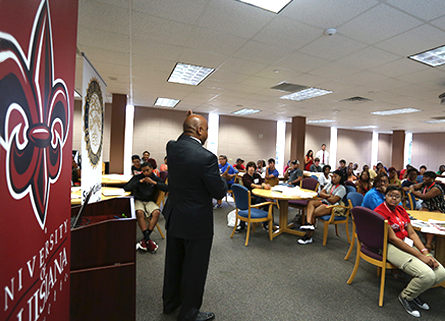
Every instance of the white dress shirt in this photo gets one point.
(320, 155)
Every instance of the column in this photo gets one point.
(398, 148)
(117, 134)
(298, 138)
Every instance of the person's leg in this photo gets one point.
(429, 241)
(174, 257)
(319, 211)
(154, 219)
(311, 206)
(194, 275)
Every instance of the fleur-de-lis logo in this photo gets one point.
(34, 115)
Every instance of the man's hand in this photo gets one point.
(147, 180)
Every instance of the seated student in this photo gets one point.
(261, 166)
(393, 179)
(286, 167)
(315, 167)
(381, 168)
(350, 174)
(364, 183)
(239, 165)
(294, 175)
(164, 167)
(404, 172)
(253, 180)
(271, 172)
(441, 170)
(144, 188)
(407, 252)
(376, 195)
(355, 169)
(325, 179)
(432, 198)
(136, 167)
(228, 172)
(152, 161)
(422, 169)
(145, 156)
(372, 173)
(308, 160)
(411, 179)
(332, 194)
(343, 167)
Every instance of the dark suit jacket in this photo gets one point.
(193, 180)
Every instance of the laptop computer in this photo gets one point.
(75, 221)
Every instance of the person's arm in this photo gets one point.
(267, 172)
(297, 181)
(430, 194)
(131, 184)
(400, 244)
(214, 183)
(159, 183)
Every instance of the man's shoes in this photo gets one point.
(152, 246)
(142, 245)
(409, 306)
(216, 206)
(423, 305)
(307, 226)
(205, 316)
(305, 240)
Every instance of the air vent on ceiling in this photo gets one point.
(356, 98)
(438, 117)
(291, 88)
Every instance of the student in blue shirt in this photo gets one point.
(271, 172)
(225, 167)
(376, 195)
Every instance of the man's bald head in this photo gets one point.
(196, 126)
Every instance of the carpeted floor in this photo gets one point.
(280, 280)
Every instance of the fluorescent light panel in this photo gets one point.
(269, 5)
(395, 111)
(320, 121)
(246, 111)
(189, 74)
(166, 102)
(306, 94)
(434, 57)
(436, 121)
(364, 127)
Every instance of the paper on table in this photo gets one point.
(114, 192)
(435, 227)
(293, 191)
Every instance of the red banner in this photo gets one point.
(37, 64)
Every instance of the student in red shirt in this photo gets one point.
(407, 252)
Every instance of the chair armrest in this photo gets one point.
(262, 204)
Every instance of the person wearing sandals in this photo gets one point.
(407, 252)
(332, 194)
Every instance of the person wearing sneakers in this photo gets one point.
(407, 252)
(332, 194)
(144, 188)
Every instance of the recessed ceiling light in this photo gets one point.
(246, 111)
(395, 111)
(189, 74)
(434, 121)
(306, 94)
(166, 102)
(433, 57)
(269, 5)
(320, 121)
(364, 127)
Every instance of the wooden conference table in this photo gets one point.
(76, 192)
(283, 201)
(439, 253)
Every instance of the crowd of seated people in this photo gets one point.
(137, 162)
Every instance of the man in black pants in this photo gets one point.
(194, 180)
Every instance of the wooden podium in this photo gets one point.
(103, 262)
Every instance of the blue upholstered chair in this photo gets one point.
(250, 213)
(329, 219)
(354, 199)
(351, 189)
(410, 201)
(372, 243)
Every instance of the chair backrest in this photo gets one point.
(355, 199)
(369, 227)
(241, 196)
(309, 183)
(349, 183)
(410, 201)
(350, 189)
(163, 175)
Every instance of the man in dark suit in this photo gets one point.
(194, 180)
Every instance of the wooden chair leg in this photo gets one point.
(382, 287)
(351, 246)
(325, 233)
(234, 228)
(160, 231)
(270, 229)
(357, 262)
(248, 233)
(347, 233)
(336, 229)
